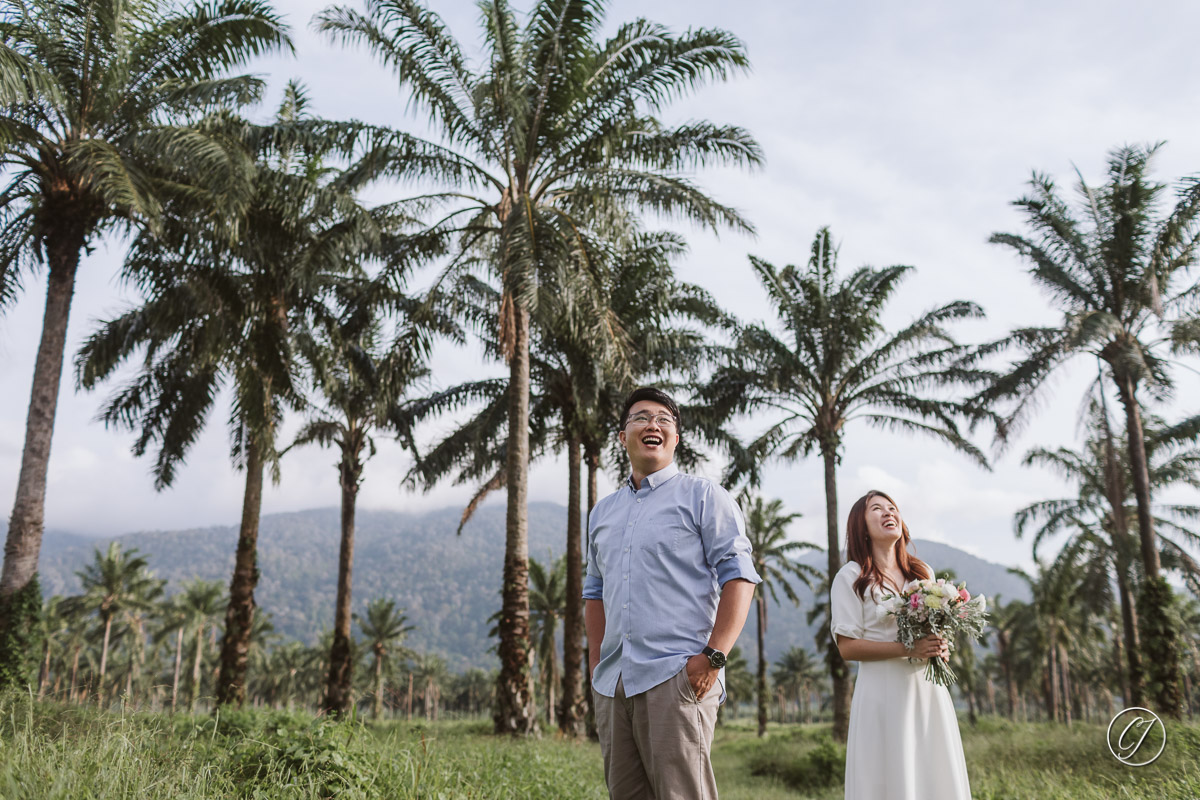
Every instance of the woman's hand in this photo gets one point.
(931, 646)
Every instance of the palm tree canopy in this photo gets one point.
(555, 129)
(104, 129)
(1117, 268)
(835, 363)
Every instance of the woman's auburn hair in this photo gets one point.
(858, 548)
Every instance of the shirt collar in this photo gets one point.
(656, 479)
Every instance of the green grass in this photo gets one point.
(57, 751)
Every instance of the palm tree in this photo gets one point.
(554, 132)
(838, 364)
(221, 309)
(114, 584)
(363, 388)
(54, 623)
(386, 628)
(1117, 271)
(201, 604)
(767, 528)
(103, 136)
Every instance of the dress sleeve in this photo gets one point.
(846, 606)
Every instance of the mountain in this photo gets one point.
(448, 585)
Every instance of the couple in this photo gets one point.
(670, 579)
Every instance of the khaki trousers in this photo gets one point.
(656, 744)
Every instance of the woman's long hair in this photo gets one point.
(858, 548)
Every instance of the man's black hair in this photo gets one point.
(653, 395)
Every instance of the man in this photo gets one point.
(669, 582)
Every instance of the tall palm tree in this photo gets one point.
(1117, 270)
(385, 628)
(555, 130)
(116, 582)
(767, 528)
(836, 364)
(362, 387)
(103, 135)
(221, 309)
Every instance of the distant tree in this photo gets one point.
(767, 528)
(385, 628)
(547, 605)
(799, 673)
(100, 130)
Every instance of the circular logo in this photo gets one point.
(1136, 737)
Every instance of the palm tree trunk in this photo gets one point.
(760, 683)
(1161, 641)
(1052, 694)
(18, 614)
(74, 670)
(377, 702)
(591, 454)
(239, 617)
(178, 665)
(104, 648)
(571, 717)
(341, 666)
(1064, 665)
(44, 672)
(410, 696)
(514, 707)
(194, 689)
(1133, 655)
(838, 671)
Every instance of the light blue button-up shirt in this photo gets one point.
(658, 557)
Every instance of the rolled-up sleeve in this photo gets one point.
(723, 532)
(593, 582)
(846, 608)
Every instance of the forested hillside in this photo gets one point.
(448, 585)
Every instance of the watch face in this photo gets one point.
(717, 659)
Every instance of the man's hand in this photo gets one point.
(701, 675)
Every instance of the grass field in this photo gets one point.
(55, 751)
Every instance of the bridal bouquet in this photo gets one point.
(935, 606)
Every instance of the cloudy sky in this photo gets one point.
(908, 128)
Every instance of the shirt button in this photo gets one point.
(626, 549)
(626, 577)
(639, 499)
(627, 636)
(625, 605)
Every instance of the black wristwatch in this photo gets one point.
(716, 659)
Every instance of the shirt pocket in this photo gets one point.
(662, 531)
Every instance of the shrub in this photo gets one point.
(315, 754)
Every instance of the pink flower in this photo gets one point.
(964, 595)
(914, 601)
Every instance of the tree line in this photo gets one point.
(264, 274)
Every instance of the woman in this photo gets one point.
(903, 742)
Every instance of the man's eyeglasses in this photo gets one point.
(642, 420)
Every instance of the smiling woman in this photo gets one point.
(903, 742)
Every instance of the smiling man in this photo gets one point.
(669, 583)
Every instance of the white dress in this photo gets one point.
(903, 742)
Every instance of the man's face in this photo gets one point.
(650, 436)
